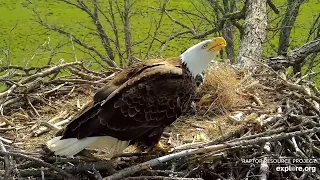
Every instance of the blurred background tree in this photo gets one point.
(115, 33)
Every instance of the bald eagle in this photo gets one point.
(137, 105)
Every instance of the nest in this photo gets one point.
(243, 126)
(219, 90)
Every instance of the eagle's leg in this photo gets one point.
(150, 141)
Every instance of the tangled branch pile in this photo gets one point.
(241, 116)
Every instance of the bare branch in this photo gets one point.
(43, 163)
(314, 28)
(75, 39)
(127, 29)
(287, 24)
(273, 6)
(296, 56)
(233, 17)
(7, 51)
(213, 148)
(163, 8)
(103, 36)
(114, 28)
(180, 23)
(215, 4)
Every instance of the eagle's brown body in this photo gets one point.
(137, 104)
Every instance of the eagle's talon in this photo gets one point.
(161, 148)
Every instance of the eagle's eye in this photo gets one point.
(205, 46)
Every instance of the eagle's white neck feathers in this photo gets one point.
(197, 57)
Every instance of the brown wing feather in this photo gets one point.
(152, 98)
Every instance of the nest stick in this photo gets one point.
(41, 162)
(4, 119)
(49, 125)
(5, 140)
(43, 73)
(264, 167)
(7, 161)
(160, 178)
(54, 89)
(154, 162)
(33, 108)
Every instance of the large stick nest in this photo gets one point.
(239, 119)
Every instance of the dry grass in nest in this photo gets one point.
(28, 124)
(219, 90)
(191, 129)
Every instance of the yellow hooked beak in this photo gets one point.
(217, 44)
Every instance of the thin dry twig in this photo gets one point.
(154, 162)
(41, 162)
(7, 161)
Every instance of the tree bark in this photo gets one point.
(254, 33)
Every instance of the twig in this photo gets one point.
(74, 81)
(264, 167)
(254, 97)
(37, 75)
(33, 172)
(7, 129)
(43, 163)
(4, 119)
(298, 150)
(26, 69)
(97, 174)
(188, 146)
(42, 173)
(34, 109)
(5, 140)
(7, 161)
(159, 178)
(54, 89)
(106, 78)
(273, 6)
(83, 75)
(49, 125)
(166, 172)
(130, 154)
(154, 162)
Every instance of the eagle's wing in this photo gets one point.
(153, 97)
(135, 105)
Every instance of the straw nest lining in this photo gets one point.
(238, 115)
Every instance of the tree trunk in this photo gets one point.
(287, 24)
(228, 29)
(127, 30)
(254, 33)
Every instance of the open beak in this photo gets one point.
(217, 44)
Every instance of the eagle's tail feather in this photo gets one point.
(71, 146)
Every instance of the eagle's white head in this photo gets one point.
(198, 57)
